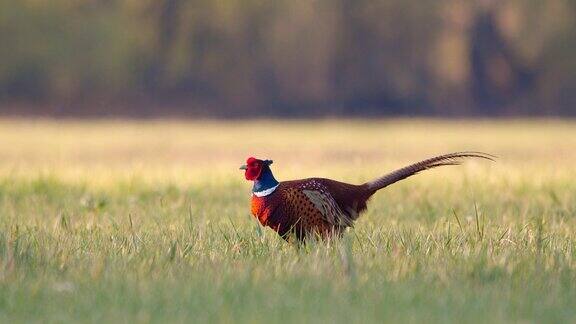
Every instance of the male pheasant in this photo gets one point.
(323, 207)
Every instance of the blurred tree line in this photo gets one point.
(288, 57)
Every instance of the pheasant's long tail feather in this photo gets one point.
(403, 173)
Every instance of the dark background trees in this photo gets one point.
(236, 58)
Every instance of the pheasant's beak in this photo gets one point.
(244, 167)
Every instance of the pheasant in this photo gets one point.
(322, 207)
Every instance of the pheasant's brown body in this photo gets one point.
(323, 207)
(313, 206)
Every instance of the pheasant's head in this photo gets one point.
(253, 168)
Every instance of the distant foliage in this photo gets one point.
(290, 58)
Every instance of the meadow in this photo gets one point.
(149, 221)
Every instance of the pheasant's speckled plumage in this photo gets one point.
(323, 207)
(309, 206)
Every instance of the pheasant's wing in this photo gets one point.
(327, 206)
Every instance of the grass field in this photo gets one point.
(149, 222)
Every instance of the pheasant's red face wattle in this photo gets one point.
(253, 168)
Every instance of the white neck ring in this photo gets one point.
(265, 192)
